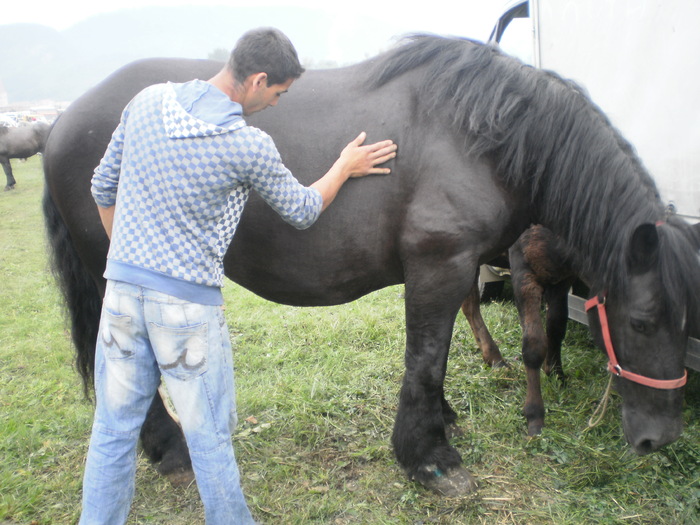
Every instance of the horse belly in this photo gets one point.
(23, 152)
(349, 252)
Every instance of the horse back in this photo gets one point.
(361, 243)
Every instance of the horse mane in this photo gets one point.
(544, 137)
(679, 267)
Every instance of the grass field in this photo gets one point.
(317, 392)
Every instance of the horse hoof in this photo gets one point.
(180, 477)
(453, 430)
(453, 483)
(176, 468)
(500, 364)
(8, 188)
(534, 429)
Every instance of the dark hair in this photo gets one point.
(265, 50)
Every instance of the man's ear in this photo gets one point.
(260, 80)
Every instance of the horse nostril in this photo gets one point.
(644, 447)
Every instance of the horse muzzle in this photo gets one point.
(648, 433)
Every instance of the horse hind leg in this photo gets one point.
(472, 311)
(8, 173)
(164, 444)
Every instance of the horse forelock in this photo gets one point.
(544, 136)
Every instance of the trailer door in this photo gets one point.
(638, 60)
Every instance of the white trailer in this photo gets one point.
(638, 60)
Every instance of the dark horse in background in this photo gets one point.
(487, 147)
(21, 143)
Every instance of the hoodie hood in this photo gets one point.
(199, 109)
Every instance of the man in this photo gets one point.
(183, 161)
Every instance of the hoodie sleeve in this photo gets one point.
(106, 177)
(297, 204)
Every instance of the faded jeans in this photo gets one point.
(144, 335)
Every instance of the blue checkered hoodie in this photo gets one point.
(184, 161)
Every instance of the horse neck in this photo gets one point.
(549, 143)
(594, 193)
(595, 206)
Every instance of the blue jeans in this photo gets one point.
(144, 335)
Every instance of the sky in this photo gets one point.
(470, 18)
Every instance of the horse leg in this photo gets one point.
(8, 173)
(419, 438)
(557, 318)
(528, 299)
(472, 311)
(534, 351)
(164, 443)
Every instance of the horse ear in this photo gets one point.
(644, 248)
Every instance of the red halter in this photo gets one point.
(614, 367)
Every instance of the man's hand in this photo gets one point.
(355, 160)
(359, 160)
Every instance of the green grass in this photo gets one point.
(317, 392)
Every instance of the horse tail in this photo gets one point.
(82, 297)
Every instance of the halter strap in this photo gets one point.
(614, 367)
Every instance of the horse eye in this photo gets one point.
(643, 327)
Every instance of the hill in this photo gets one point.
(39, 62)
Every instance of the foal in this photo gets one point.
(540, 269)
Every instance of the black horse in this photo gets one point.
(20, 143)
(487, 147)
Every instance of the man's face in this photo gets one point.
(261, 96)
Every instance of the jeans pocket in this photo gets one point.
(116, 335)
(181, 352)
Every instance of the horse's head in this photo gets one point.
(648, 319)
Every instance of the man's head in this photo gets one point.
(265, 50)
(261, 68)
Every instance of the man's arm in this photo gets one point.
(107, 217)
(105, 180)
